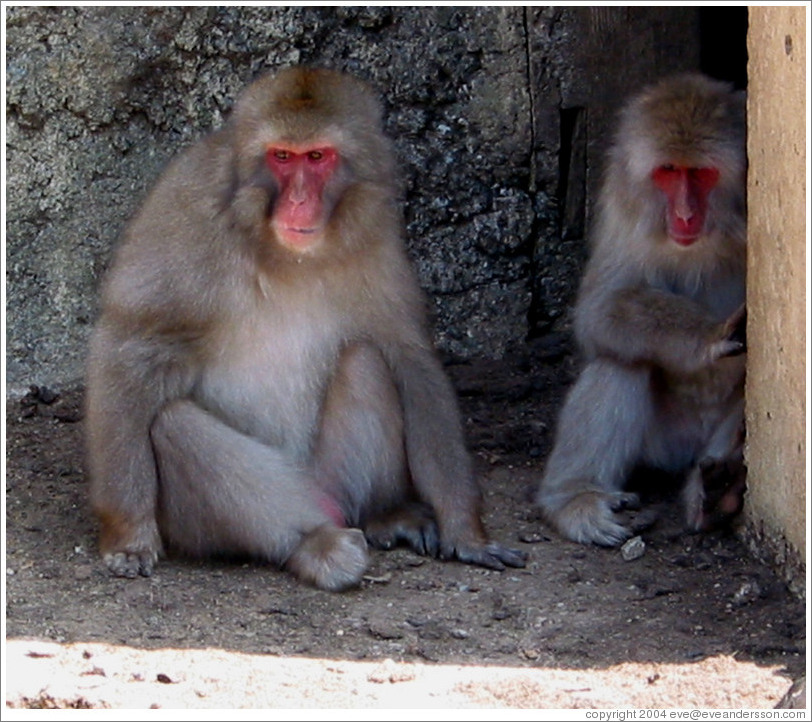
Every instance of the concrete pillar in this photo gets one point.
(776, 508)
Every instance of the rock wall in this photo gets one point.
(499, 116)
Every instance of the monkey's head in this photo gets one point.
(681, 150)
(310, 156)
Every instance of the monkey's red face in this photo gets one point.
(687, 191)
(303, 204)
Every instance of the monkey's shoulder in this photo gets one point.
(193, 183)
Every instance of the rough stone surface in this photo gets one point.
(498, 114)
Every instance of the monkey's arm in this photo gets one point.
(643, 324)
(140, 358)
(439, 462)
(122, 400)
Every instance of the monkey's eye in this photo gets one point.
(664, 176)
(705, 178)
(315, 155)
(281, 155)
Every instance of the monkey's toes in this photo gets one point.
(588, 518)
(619, 500)
(509, 557)
(412, 525)
(131, 564)
(610, 534)
(331, 558)
(490, 556)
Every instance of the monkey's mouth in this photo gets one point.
(686, 233)
(299, 239)
(684, 239)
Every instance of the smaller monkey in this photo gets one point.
(659, 318)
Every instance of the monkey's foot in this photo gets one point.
(589, 517)
(131, 564)
(412, 524)
(714, 493)
(330, 558)
(490, 555)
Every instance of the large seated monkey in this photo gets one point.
(261, 381)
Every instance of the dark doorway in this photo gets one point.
(723, 43)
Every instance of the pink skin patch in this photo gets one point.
(687, 191)
(302, 174)
(330, 507)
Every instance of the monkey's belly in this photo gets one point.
(270, 388)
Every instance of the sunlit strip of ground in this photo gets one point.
(39, 673)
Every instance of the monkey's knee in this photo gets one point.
(362, 373)
(360, 447)
(330, 558)
(174, 419)
(358, 356)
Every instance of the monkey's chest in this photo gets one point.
(267, 377)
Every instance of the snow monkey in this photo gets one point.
(261, 380)
(659, 317)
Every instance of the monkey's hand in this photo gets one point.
(131, 564)
(490, 555)
(733, 336)
(132, 554)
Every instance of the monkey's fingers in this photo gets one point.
(131, 564)
(491, 555)
(734, 334)
(727, 348)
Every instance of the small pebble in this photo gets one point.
(746, 593)
(533, 537)
(633, 549)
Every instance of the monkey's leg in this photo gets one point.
(715, 486)
(598, 440)
(360, 455)
(224, 492)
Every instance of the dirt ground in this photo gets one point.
(695, 622)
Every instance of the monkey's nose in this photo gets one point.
(684, 209)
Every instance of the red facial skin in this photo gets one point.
(301, 214)
(687, 192)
